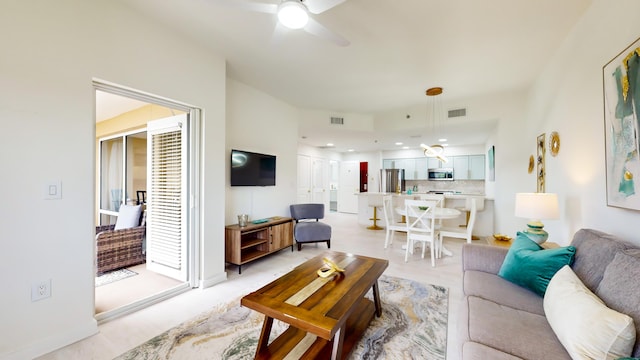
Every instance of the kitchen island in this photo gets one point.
(484, 218)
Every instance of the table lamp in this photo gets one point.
(536, 207)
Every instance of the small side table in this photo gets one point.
(493, 242)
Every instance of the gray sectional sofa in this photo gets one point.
(501, 320)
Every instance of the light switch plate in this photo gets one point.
(52, 190)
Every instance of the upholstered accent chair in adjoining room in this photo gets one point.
(308, 228)
(121, 244)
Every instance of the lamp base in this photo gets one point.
(536, 234)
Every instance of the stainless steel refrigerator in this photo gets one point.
(392, 180)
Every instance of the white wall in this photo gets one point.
(260, 123)
(53, 52)
(568, 98)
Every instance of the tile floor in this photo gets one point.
(119, 335)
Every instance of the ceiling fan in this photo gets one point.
(295, 14)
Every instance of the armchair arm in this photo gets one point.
(119, 248)
(484, 258)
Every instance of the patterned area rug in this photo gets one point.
(413, 326)
(113, 276)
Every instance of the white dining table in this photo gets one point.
(439, 213)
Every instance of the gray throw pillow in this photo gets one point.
(620, 287)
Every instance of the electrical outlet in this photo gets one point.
(41, 290)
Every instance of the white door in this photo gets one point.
(349, 187)
(166, 196)
(304, 179)
(320, 179)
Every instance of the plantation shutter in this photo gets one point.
(166, 197)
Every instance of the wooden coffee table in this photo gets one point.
(326, 316)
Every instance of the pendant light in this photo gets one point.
(436, 150)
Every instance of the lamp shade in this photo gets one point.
(538, 206)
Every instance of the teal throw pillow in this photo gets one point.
(529, 265)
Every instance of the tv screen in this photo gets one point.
(252, 169)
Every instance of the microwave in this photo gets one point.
(441, 174)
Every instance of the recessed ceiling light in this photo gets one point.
(329, 144)
(398, 143)
(442, 140)
(405, 147)
(350, 150)
(445, 144)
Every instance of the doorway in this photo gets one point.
(126, 131)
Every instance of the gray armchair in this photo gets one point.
(308, 228)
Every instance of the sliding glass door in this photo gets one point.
(123, 173)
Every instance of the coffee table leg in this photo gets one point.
(338, 340)
(263, 342)
(376, 299)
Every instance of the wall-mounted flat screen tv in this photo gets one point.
(252, 169)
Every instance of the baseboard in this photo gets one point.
(209, 282)
(55, 342)
(141, 304)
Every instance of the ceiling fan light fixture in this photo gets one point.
(293, 14)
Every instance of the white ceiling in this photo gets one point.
(397, 50)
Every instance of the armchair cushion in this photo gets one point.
(128, 216)
(311, 231)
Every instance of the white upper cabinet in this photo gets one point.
(460, 167)
(465, 167)
(476, 167)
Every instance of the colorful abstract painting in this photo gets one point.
(621, 83)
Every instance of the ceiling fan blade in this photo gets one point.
(278, 34)
(317, 29)
(249, 5)
(320, 6)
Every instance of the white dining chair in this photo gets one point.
(461, 232)
(392, 220)
(421, 226)
(435, 197)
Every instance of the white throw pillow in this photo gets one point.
(128, 216)
(585, 326)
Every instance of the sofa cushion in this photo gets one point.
(516, 332)
(494, 288)
(585, 326)
(620, 287)
(529, 265)
(594, 251)
(128, 216)
(475, 351)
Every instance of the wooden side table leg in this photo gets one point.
(263, 342)
(338, 341)
(376, 299)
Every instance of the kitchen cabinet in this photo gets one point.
(460, 167)
(421, 167)
(476, 167)
(433, 163)
(465, 167)
(468, 167)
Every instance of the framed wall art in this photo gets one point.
(491, 154)
(621, 92)
(540, 171)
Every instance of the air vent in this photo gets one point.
(457, 113)
(337, 120)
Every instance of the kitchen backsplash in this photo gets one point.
(461, 186)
